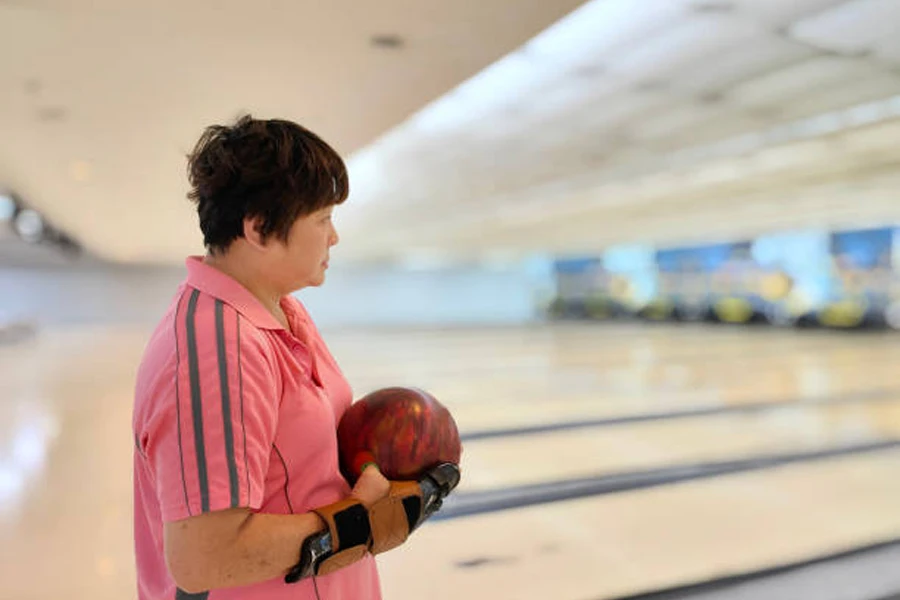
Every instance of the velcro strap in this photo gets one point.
(348, 523)
(413, 507)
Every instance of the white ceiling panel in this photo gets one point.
(851, 27)
(554, 69)
(840, 95)
(569, 95)
(478, 97)
(783, 12)
(605, 113)
(772, 171)
(690, 40)
(670, 121)
(715, 126)
(727, 68)
(777, 87)
(889, 50)
(600, 26)
(879, 139)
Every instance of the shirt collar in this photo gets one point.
(217, 284)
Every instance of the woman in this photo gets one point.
(237, 397)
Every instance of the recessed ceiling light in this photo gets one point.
(33, 86)
(51, 114)
(387, 41)
(709, 98)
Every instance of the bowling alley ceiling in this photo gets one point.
(471, 128)
(648, 121)
(101, 99)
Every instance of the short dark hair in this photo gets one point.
(273, 169)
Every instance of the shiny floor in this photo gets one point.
(65, 454)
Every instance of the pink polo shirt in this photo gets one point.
(231, 410)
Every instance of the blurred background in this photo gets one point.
(647, 251)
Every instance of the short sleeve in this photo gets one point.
(208, 445)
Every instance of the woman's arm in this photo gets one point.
(239, 547)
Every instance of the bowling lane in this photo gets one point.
(528, 377)
(527, 459)
(624, 543)
(507, 412)
(65, 446)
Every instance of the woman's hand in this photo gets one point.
(371, 486)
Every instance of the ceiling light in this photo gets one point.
(29, 225)
(713, 6)
(51, 114)
(80, 171)
(33, 86)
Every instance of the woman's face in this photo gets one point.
(302, 261)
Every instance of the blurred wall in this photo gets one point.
(100, 294)
(463, 296)
(86, 294)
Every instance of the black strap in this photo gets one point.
(352, 527)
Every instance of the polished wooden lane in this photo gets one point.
(552, 456)
(529, 376)
(625, 543)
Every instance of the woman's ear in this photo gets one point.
(252, 232)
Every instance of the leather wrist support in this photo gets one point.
(355, 530)
(393, 518)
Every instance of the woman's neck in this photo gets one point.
(248, 278)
